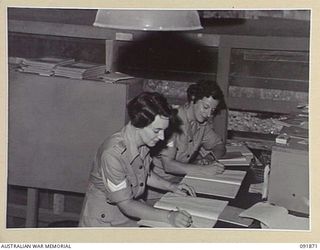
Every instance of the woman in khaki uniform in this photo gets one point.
(194, 146)
(121, 171)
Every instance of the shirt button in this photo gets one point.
(141, 184)
(103, 215)
(140, 167)
(190, 140)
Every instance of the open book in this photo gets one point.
(226, 184)
(205, 212)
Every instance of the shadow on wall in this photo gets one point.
(165, 52)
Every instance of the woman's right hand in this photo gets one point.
(207, 170)
(180, 218)
(217, 167)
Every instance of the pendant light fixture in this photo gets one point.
(148, 20)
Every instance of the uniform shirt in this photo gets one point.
(120, 169)
(190, 138)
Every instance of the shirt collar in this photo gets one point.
(133, 151)
(189, 116)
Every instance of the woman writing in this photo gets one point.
(194, 147)
(121, 171)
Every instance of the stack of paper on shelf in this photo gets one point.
(204, 212)
(80, 70)
(275, 217)
(44, 65)
(226, 184)
(113, 77)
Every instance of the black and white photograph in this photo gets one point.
(184, 118)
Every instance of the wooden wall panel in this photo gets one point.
(55, 127)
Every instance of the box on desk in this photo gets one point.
(282, 139)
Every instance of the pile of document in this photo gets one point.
(80, 70)
(43, 66)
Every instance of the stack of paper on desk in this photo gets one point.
(205, 212)
(226, 184)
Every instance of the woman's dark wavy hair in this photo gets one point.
(206, 88)
(143, 109)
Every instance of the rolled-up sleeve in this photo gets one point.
(118, 188)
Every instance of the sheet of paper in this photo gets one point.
(226, 184)
(153, 223)
(198, 222)
(228, 176)
(275, 217)
(197, 206)
(205, 212)
(213, 188)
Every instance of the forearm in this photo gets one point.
(175, 167)
(213, 153)
(141, 210)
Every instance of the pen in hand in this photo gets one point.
(186, 214)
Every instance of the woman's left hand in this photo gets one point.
(184, 189)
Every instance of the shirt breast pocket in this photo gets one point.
(103, 212)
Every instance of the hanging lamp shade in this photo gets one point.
(154, 20)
